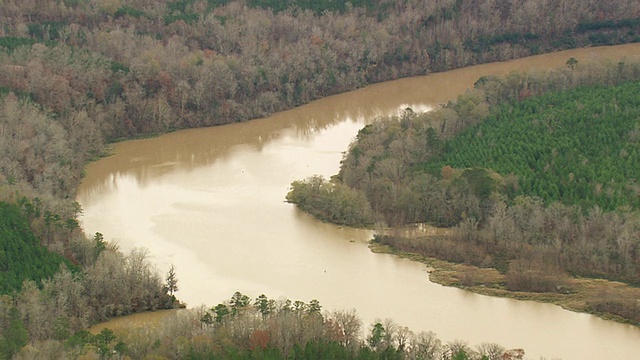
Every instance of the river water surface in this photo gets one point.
(211, 202)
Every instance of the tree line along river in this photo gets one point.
(211, 202)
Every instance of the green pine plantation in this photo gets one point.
(578, 147)
(21, 255)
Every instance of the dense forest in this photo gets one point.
(76, 75)
(537, 183)
(263, 328)
(21, 256)
(57, 299)
(577, 147)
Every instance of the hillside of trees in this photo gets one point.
(537, 183)
(576, 147)
(263, 328)
(76, 75)
(57, 304)
(21, 255)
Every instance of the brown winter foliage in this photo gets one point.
(536, 246)
(76, 74)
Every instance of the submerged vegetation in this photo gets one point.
(536, 183)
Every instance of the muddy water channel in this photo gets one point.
(211, 202)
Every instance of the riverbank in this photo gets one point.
(189, 197)
(578, 294)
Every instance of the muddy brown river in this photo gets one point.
(211, 202)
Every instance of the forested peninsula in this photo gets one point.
(532, 178)
(76, 75)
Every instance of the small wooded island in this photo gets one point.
(534, 213)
